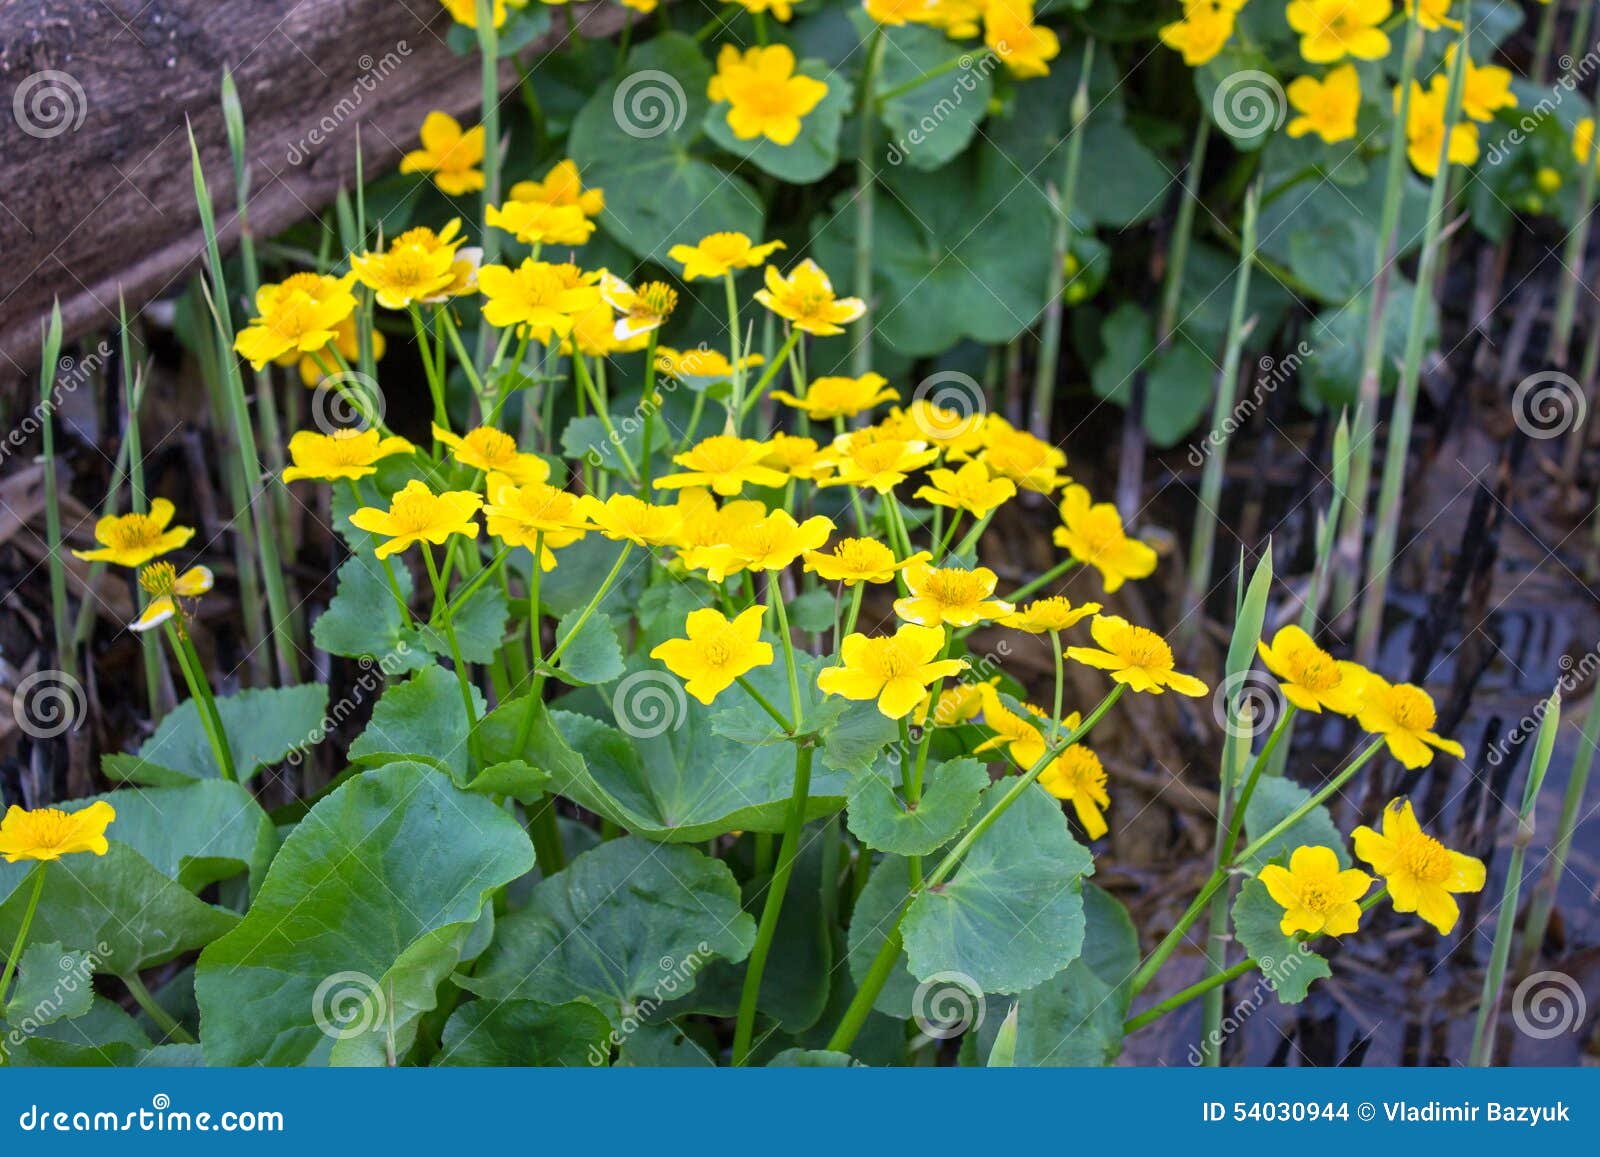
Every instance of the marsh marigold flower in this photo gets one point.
(1026, 48)
(716, 651)
(1331, 30)
(49, 833)
(135, 539)
(765, 97)
(448, 155)
(971, 488)
(1054, 613)
(706, 530)
(1310, 677)
(541, 223)
(1092, 533)
(533, 513)
(796, 457)
(162, 582)
(769, 543)
(488, 449)
(1422, 874)
(1432, 14)
(1485, 89)
(418, 266)
(718, 254)
(1032, 463)
(465, 12)
(1078, 777)
(1136, 657)
(1403, 714)
(536, 294)
(642, 310)
(958, 434)
(840, 397)
(416, 514)
(1316, 894)
(948, 595)
(958, 703)
(561, 186)
(853, 561)
(896, 671)
(346, 453)
(347, 340)
(1017, 733)
(781, 10)
(805, 299)
(1202, 33)
(298, 315)
(1326, 107)
(725, 463)
(703, 364)
(624, 518)
(861, 458)
(1583, 150)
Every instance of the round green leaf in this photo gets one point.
(882, 820)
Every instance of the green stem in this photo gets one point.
(1543, 899)
(22, 930)
(441, 603)
(779, 360)
(602, 411)
(200, 690)
(766, 705)
(866, 107)
(589, 609)
(165, 1021)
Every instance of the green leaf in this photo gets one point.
(594, 654)
(479, 623)
(364, 912)
(626, 927)
(662, 1046)
(581, 568)
(812, 1059)
(197, 834)
(1270, 804)
(933, 122)
(874, 914)
(117, 906)
(664, 608)
(103, 1037)
(525, 1033)
(810, 156)
(1178, 380)
(1285, 961)
(634, 139)
(423, 720)
(363, 620)
(53, 983)
(1338, 336)
(514, 779)
(263, 727)
(880, 819)
(813, 611)
(1012, 915)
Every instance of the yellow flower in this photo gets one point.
(135, 539)
(896, 671)
(1317, 897)
(488, 449)
(862, 459)
(806, 300)
(1433, 14)
(561, 186)
(418, 266)
(449, 155)
(1485, 89)
(541, 223)
(1202, 33)
(958, 598)
(594, 333)
(717, 650)
(725, 463)
(1136, 657)
(466, 11)
(526, 514)
(1032, 463)
(764, 95)
(718, 254)
(622, 517)
(1018, 734)
(1025, 47)
(539, 295)
(839, 397)
(898, 13)
(49, 833)
(1583, 150)
(1404, 715)
(1311, 678)
(417, 514)
(644, 6)
(299, 315)
(642, 310)
(770, 543)
(960, 435)
(781, 10)
(162, 582)
(706, 530)
(1547, 179)
(957, 704)
(795, 457)
(853, 561)
(347, 340)
(1054, 613)
(957, 19)
(1328, 106)
(342, 454)
(1330, 30)
(1425, 129)
(708, 365)
(1078, 776)
(1092, 533)
(969, 488)
(1420, 871)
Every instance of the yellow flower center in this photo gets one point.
(862, 555)
(158, 579)
(1101, 531)
(1425, 858)
(50, 828)
(491, 446)
(954, 588)
(653, 300)
(1145, 649)
(413, 510)
(1078, 770)
(719, 454)
(132, 531)
(1316, 898)
(409, 265)
(1411, 708)
(719, 651)
(1316, 670)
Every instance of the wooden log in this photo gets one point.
(95, 188)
